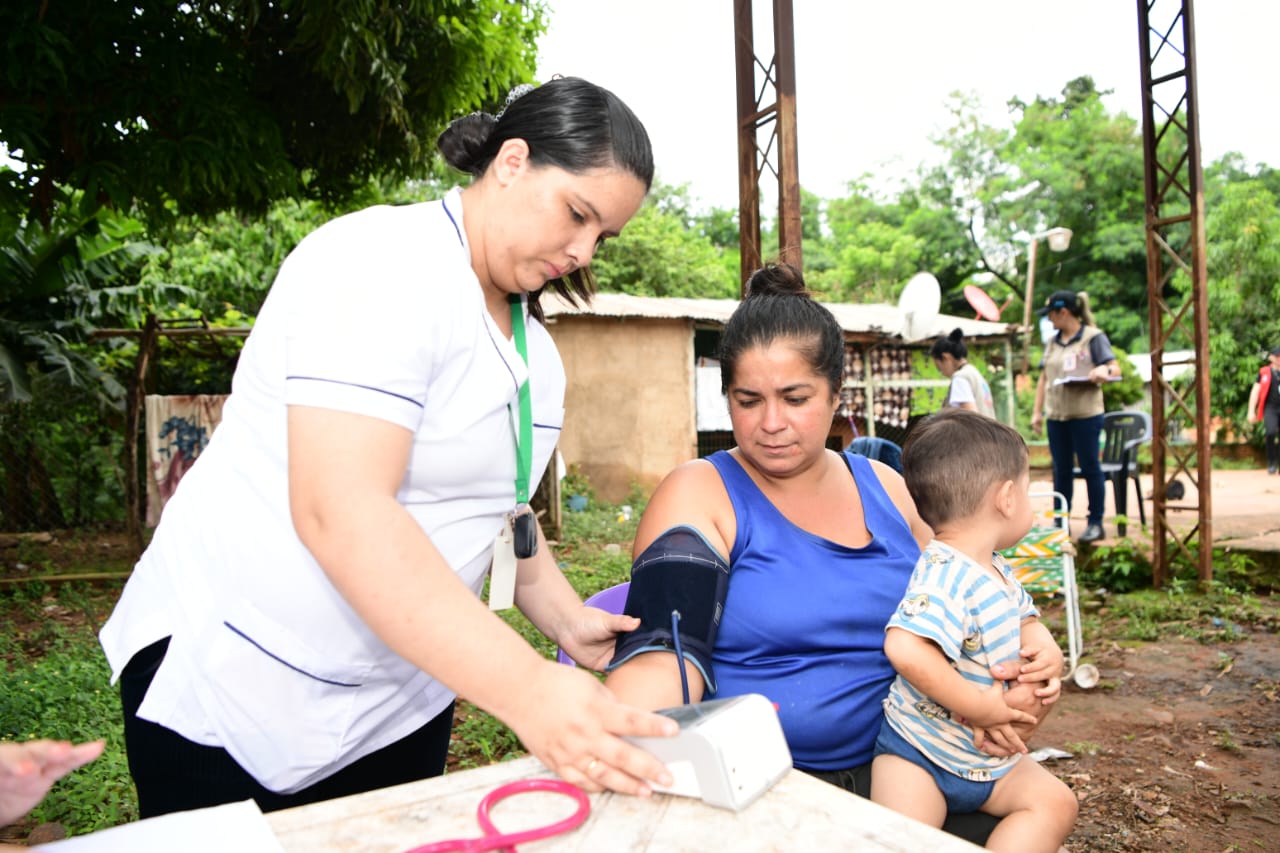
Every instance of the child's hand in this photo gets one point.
(998, 740)
(1044, 665)
(1043, 662)
(992, 710)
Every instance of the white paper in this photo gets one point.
(1065, 380)
(234, 826)
(502, 575)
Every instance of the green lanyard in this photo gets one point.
(524, 445)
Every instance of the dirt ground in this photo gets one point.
(1177, 748)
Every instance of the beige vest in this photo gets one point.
(1066, 401)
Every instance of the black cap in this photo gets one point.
(1274, 351)
(1061, 299)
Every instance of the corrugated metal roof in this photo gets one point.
(867, 319)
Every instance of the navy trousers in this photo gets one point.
(173, 774)
(1076, 441)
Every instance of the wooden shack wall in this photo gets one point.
(629, 404)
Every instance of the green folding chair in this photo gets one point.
(1044, 563)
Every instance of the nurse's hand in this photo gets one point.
(589, 639)
(573, 725)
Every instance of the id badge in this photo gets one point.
(502, 573)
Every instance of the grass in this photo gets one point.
(57, 686)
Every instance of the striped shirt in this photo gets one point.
(976, 620)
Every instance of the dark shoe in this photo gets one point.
(1273, 469)
(1092, 533)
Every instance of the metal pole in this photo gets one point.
(1026, 303)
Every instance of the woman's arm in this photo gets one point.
(1104, 372)
(543, 594)
(896, 488)
(344, 472)
(1037, 408)
(1252, 413)
(691, 495)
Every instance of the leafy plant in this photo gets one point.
(1121, 567)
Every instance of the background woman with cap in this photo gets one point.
(1264, 405)
(1077, 360)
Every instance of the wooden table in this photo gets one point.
(799, 813)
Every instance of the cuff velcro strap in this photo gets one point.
(680, 572)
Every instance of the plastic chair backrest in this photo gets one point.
(1121, 430)
(880, 449)
(611, 599)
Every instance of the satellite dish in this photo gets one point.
(979, 300)
(919, 304)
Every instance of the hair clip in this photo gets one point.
(516, 94)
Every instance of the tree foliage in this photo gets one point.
(662, 253)
(1242, 236)
(1066, 162)
(212, 105)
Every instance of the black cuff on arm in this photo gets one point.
(679, 571)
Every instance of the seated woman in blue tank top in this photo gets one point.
(785, 559)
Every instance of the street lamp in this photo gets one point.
(1059, 239)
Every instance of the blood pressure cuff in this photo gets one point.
(679, 572)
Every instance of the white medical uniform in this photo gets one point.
(377, 313)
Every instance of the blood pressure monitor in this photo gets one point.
(727, 753)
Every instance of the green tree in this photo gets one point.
(60, 281)
(205, 106)
(1067, 162)
(662, 253)
(1242, 238)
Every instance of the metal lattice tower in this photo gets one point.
(1177, 305)
(1174, 184)
(760, 126)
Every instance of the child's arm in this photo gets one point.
(923, 664)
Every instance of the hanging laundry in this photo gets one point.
(178, 428)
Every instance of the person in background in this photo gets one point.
(308, 608)
(1264, 406)
(785, 559)
(961, 614)
(1077, 360)
(28, 769)
(969, 388)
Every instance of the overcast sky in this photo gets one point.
(873, 78)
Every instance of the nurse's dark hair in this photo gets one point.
(952, 457)
(952, 345)
(779, 307)
(567, 122)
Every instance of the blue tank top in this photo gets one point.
(804, 618)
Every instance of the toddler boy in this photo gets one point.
(962, 613)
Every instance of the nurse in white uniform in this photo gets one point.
(309, 606)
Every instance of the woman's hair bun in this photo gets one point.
(776, 280)
(463, 142)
